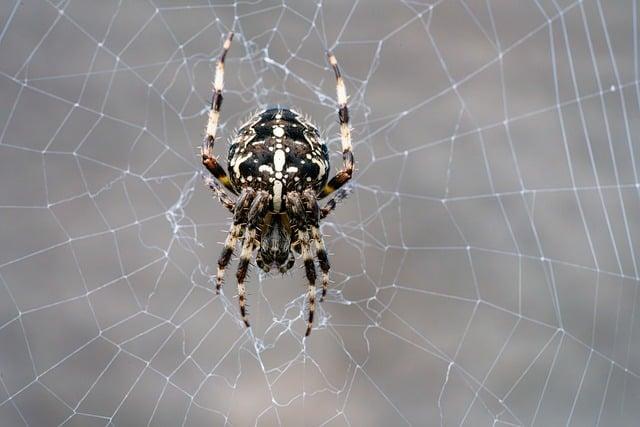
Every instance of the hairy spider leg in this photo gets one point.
(259, 207)
(296, 210)
(208, 159)
(239, 219)
(346, 172)
(223, 197)
(329, 207)
(310, 271)
(313, 221)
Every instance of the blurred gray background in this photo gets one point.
(485, 269)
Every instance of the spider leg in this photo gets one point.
(243, 267)
(297, 212)
(208, 159)
(346, 172)
(313, 221)
(239, 218)
(258, 207)
(310, 271)
(223, 197)
(342, 194)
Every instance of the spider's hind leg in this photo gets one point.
(296, 210)
(313, 220)
(239, 219)
(258, 208)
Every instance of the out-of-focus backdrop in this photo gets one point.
(485, 270)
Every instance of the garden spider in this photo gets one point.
(278, 169)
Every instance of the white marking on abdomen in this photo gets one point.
(321, 167)
(238, 161)
(266, 168)
(277, 195)
(278, 160)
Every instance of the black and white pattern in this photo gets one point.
(279, 151)
(279, 168)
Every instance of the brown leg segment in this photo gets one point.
(239, 219)
(298, 216)
(346, 172)
(258, 207)
(330, 206)
(208, 159)
(313, 222)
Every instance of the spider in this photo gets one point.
(278, 169)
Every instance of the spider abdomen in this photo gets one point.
(279, 151)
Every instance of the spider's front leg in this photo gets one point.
(208, 158)
(346, 172)
(258, 209)
(296, 211)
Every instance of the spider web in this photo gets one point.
(485, 269)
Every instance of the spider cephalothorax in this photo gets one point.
(279, 169)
